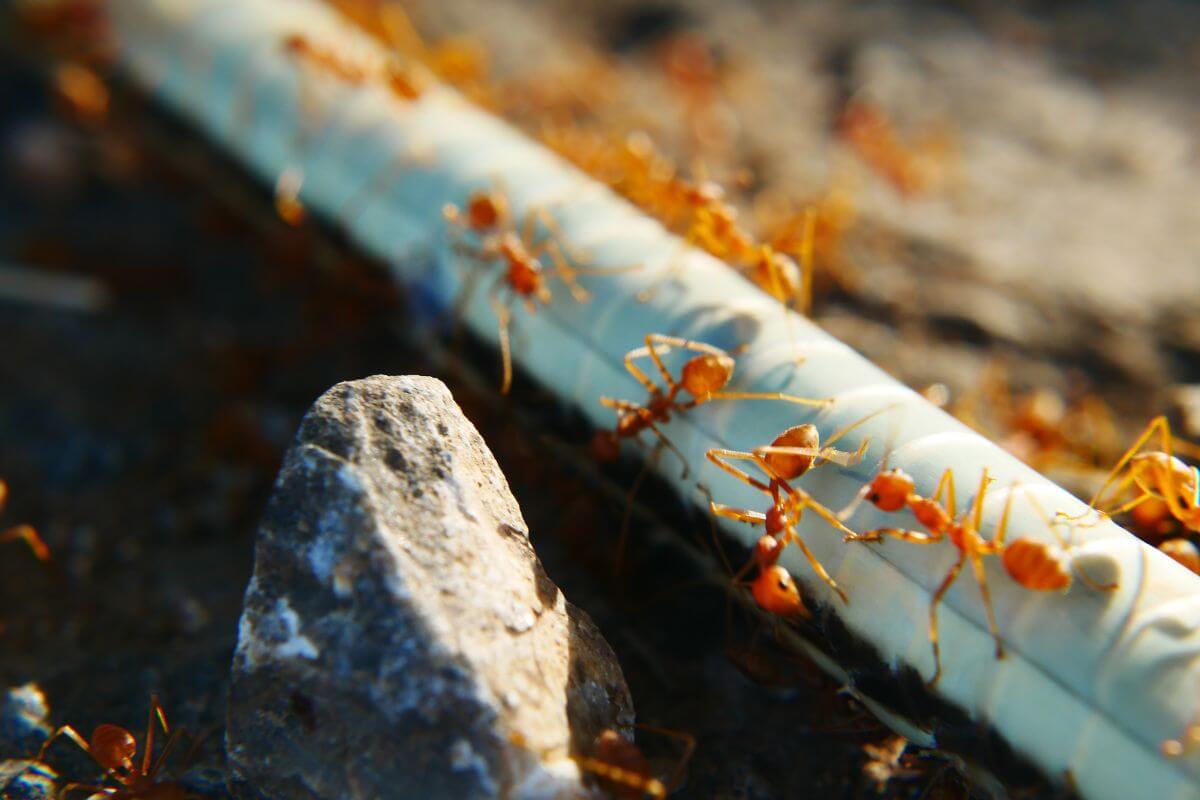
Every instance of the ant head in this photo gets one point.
(776, 593)
(890, 489)
(706, 373)
(1183, 551)
(485, 210)
(605, 446)
(787, 466)
(1036, 566)
(114, 749)
(777, 273)
(1154, 469)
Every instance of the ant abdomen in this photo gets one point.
(1036, 566)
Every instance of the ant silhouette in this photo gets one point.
(1034, 565)
(622, 766)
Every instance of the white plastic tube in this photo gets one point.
(1092, 681)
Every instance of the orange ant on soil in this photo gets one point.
(1034, 565)
(704, 376)
(792, 454)
(488, 216)
(115, 750)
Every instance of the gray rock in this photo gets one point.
(21, 779)
(24, 723)
(399, 636)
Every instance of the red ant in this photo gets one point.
(1034, 565)
(115, 750)
(488, 216)
(703, 376)
(792, 454)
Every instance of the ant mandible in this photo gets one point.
(1034, 565)
(704, 376)
(115, 750)
(488, 216)
(792, 454)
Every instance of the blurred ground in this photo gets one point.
(141, 433)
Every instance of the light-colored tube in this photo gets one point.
(1092, 682)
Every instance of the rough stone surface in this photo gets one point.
(21, 779)
(399, 636)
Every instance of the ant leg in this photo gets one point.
(635, 780)
(788, 398)
(946, 484)
(689, 746)
(1091, 582)
(737, 514)
(825, 514)
(558, 236)
(840, 432)
(819, 454)
(503, 318)
(817, 566)
(627, 515)
(1158, 424)
(686, 344)
(568, 273)
(718, 455)
(981, 577)
(807, 248)
(947, 582)
(70, 733)
(29, 536)
(977, 501)
(670, 446)
(93, 789)
(636, 372)
(903, 534)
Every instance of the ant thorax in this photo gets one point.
(931, 514)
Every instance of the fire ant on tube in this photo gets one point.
(488, 216)
(704, 376)
(1034, 565)
(789, 456)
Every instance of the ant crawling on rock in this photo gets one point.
(115, 750)
(488, 216)
(1037, 566)
(792, 454)
(704, 376)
